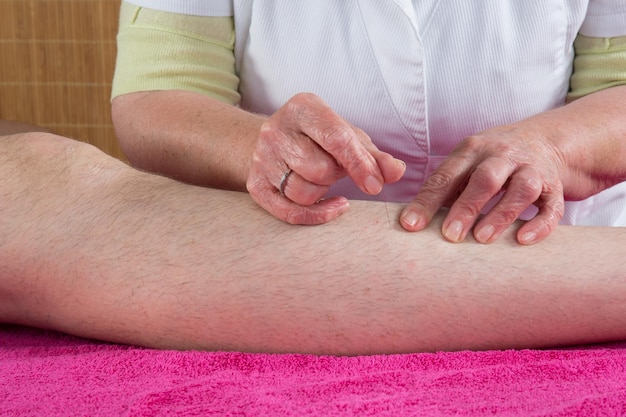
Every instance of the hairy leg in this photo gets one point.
(93, 247)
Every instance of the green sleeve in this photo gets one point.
(599, 63)
(167, 51)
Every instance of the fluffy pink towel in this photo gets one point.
(50, 374)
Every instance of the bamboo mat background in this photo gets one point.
(56, 65)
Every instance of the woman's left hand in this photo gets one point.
(518, 161)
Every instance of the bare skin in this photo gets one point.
(568, 153)
(319, 148)
(202, 141)
(95, 248)
(195, 138)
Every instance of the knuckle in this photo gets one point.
(439, 182)
(356, 164)
(471, 144)
(296, 215)
(303, 97)
(505, 216)
(556, 210)
(341, 142)
(307, 215)
(292, 216)
(299, 99)
(337, 137)
(530, 188)
(324, 171)
(470, 209)
(293, 106)
(488, 179)
(270, 135)
(299, 105)
(559, 209)
(310, 196)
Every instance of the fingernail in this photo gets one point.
(410, 219)
(453, 231)
(401, 163)
(484, 234)
(528, 237)
(373, 185)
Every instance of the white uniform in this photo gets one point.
(417, 76)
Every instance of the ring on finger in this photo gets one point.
(283, 181)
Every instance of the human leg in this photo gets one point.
(93, 247)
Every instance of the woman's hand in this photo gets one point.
(302, 150)
(516, 160)
(568, 153)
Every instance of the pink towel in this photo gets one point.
(51, 374)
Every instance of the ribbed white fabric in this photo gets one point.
(190, 7)
(419, 75)
(605, 19)
(336, 50)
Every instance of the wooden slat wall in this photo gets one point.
(56, 64)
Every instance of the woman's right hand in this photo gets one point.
(303, 149)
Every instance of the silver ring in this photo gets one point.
(283, 182)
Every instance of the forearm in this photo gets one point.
(187, 136)
(122, 255)
(589, 136)
(599, 126)
(596, 119)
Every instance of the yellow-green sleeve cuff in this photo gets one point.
(600, 63)
(167, 51)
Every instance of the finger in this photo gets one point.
(301, 191)
(392, 168)
(277, 148)
(317, 167)
(340, 140)
(267, 195)
(440, 187)
(485, 183)
(551, 209)
(321, 212)
(525, 187)
(279, 152)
